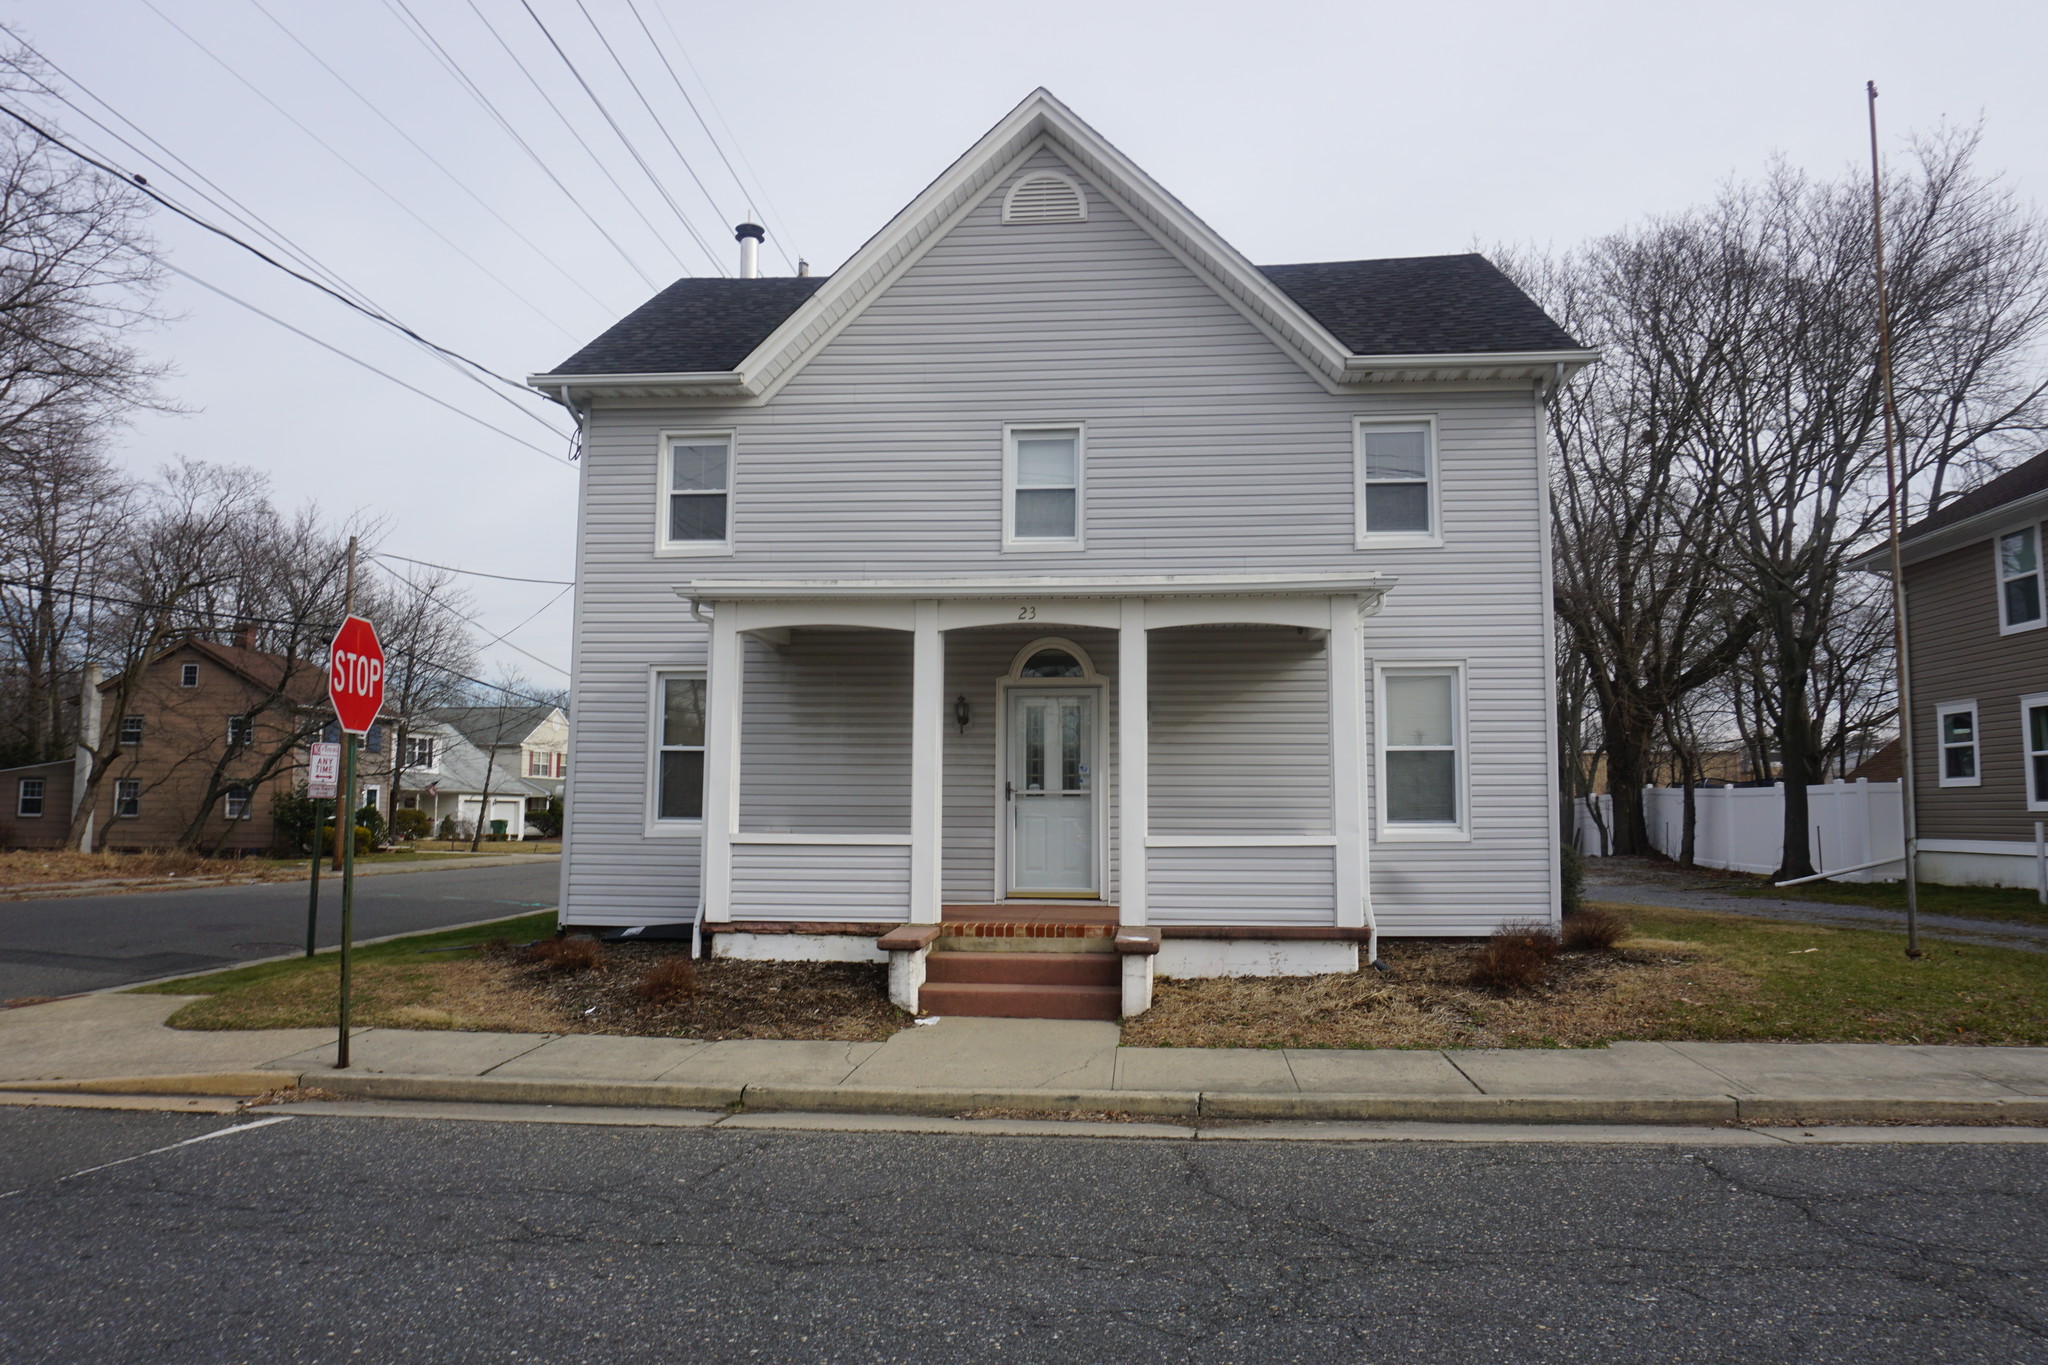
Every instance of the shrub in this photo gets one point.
(411, 824)
(1594, 931)
(670, 980)
(364, 839)
(566, 956)
(547, 820)
(292, 817)
(1572, 877)
(1516, 958)
(447, 830)
(372, 819)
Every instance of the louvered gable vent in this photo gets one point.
(1043, 197)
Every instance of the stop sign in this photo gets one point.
(355, 675)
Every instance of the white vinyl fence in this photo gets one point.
(1743, 828)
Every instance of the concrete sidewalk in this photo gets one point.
(119, 1044)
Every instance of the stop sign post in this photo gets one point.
(355, 684)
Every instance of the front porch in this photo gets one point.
(1180, 755)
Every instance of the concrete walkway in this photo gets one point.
(119, 1044)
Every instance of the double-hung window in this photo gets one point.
(1397, 482)
(1421, 765)
(239, 732)
(2019, 580)
(1955, 725)
(678, 747)
(2034, 734)
(189, 676)
(131, 729)
(696, 502)
(420, 754)
(127, 798)
(28, 800)
(236, 803)
(1042, 488)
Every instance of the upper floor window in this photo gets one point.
(1042, 488)
(679, 748)
(28, 800)
(188, 676)
(239, 732)
(131, 729)
(696, 480)
(373, 739)
(1421, 752)
(1397, 481)
(1956, 725)
(420, 753)
(2019, 580)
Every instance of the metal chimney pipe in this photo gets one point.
(750, 236)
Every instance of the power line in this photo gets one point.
(264, 256)
(426, 39)
(712, 100)
(499, 639)
(631, 149)
(648, 105)
(473, 573)
(354, 360)
(366, 177)
(716, 146)
(435, 161)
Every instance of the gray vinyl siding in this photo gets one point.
(1958, 655)
(1240, 732)
(822, 883)
(825, 734)
(1209, 450)
(1283, 886)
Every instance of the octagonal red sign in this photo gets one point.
(355, 675)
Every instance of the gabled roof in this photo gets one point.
(2020, 493)
(303, 680)
(493, 726)
(1345, 322)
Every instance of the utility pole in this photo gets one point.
(1894, 493)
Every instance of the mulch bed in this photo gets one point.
(835, 1001)
(1427, 1001)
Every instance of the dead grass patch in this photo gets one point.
(1059, 1116)
(48, 867)
(1428, 1000)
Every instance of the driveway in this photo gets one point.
(80, 943)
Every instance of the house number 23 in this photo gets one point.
(1027, 613)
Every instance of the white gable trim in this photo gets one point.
(1042, 121)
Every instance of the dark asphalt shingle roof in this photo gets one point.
(1413, 305)
(2014, 484)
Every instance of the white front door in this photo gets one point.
(1051, 793)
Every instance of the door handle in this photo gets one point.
(1009, 792)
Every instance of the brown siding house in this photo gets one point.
(1977, 614)
(35, 805)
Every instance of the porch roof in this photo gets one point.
(1365, 583)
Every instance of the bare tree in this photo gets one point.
(428, 649)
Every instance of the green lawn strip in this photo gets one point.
(1817, 984)
(416, 948)
(1966, 902)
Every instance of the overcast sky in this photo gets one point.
(1301, 132)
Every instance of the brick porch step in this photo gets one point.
(1023, 969)
(1030, 912)
(993, 1000)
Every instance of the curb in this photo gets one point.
(939, 1101)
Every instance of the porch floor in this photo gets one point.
(1035, 912)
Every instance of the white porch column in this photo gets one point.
(721, 758)
(927, 757)
(1344, 649)
(1134, 759)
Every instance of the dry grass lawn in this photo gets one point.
(47, 867)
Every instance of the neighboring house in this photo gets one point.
(1051, 564)
(453, 759)
(210, 735)
(1977, 617)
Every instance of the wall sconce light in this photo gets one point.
(962, 713)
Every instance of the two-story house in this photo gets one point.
(1977, 637)
(487, 764)
(1051, 574)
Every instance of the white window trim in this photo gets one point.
(21, 797)
(141, 729)
(119, 783)
(1431, 539)
(1031, 545)
(431, 769)
(664, 548)
(1941, 746)
(1391, 833)
(1999, 580)
(248, 804)
(2035, 800)
(655, 826)
(188, 671)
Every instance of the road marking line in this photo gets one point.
(172, 1147)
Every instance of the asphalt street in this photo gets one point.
(366, 1239)
(65, 945)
